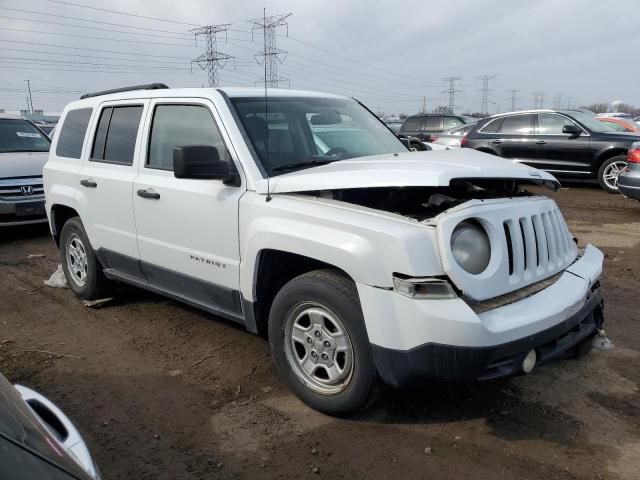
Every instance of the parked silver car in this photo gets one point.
(23, 151)
(451, 137)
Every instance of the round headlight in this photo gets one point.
(471, 247)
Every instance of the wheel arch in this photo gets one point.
(58, 217)
(273, 269)
(609, 153)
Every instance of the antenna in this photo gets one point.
(266, 103)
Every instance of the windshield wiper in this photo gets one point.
(293, 166)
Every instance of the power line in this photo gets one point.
(90, 27)
(122, 13)
(212, 60)
(95, 38)
(48, 14)
(538, 99)
(270, 54)
(90, 49)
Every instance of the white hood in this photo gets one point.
(22, 164)
(410, 169)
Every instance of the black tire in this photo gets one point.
(601, 171)
(332, 291)
(95, 283)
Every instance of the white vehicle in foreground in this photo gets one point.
(305, 219)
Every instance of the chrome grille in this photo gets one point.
(21, 188)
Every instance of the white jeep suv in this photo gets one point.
(303, 217)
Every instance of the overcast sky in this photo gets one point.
(388, 54)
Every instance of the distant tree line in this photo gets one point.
(606, 108)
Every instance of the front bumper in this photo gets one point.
(22, 211)
(446, 339)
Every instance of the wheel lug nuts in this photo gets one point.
(314, 354)
(325, 356)
(309, 340)
(327, 344)
(318, 334)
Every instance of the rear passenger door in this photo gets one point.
(512, 137)
(106, 182)
(187, 229)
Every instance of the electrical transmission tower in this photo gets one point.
(514, 98)
(538, 99)
(485, 92)
(451, 91)
(557, 101)
(212, 60)
(270, 55)
(423, 108)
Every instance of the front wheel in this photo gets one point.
(609, 171)
(320, 344)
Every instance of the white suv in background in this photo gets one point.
(302, 217)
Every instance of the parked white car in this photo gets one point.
(305, 219)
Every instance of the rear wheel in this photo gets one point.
(320, 344)
(79, 262)
(609, 171)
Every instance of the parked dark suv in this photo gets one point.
(422, 126)
(567, 143)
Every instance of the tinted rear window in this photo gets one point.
(492, 126)
(116, 134)
(433, 123)
(71, 136)
(517, 125)
(411, 124)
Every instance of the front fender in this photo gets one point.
(368, 247)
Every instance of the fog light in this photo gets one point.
(529, 361)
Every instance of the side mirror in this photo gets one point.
(406, 142)
(202, 162)
(571, 130)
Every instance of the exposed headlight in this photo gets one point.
(423, 288)
(471, 247)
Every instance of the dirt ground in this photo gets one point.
(163, 391)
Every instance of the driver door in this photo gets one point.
(187, 229)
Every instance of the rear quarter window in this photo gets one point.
(411, 124)
(72, 133)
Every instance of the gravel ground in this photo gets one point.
(163, 391)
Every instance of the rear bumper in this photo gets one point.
(468, 364)
(629, 182)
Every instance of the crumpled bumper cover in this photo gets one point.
(468, 364)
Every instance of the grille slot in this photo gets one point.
(537, 243)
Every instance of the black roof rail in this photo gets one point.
(148, 86)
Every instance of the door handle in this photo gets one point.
(496, 141)
(88, 183)
(541, 142)
(148, 194)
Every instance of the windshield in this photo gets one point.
(21, 136)
(591, 122)
(301, 132)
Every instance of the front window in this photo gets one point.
(18, 135)
(302, 132)
(591, 123)
(551, 124)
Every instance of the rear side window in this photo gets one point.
(181, 126)
(412, 124)
(450, 122)
(517, 125)
(493, 126)
(433, 123)
(71, 135)
(115, 140)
